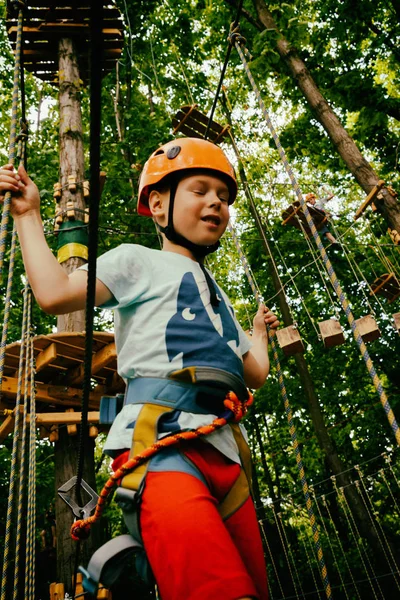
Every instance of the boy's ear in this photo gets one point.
(158, 204)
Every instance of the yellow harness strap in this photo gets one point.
(240, 490)
(144, 435)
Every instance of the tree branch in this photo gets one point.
(248, 16)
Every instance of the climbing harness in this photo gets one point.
(198, 390)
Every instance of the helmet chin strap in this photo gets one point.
(172, 235)
(198, 251)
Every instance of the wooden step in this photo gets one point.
(294, 215)
(331, 333)
(368, 328)
(387, 285)
(289, 340)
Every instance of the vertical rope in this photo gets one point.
(31, 508)
(353, 528)
(344, 556)
(328, 537)
(28, 444)
(292, 429)
(14, 470)
(285, 548)
(13, 132)
(272, 562)
(7, 302)
(381, 536)
(236, 39)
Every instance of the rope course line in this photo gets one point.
(292, 278)
(328, 537)
(339, 541)
(30, 581)
(290, 553)
(293, 434)
(14, 481)
(353, 528)
(237, 40)
(13, 129)
(285, 547)
(272, 560)
(381, 536)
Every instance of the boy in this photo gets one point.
(311, 199)
(173, 322)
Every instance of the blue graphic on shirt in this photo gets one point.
(190, 332)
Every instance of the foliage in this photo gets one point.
(172, 57)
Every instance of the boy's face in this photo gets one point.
(201, 209)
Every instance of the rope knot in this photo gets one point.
(235, 36)
(80, 530)
(237, 407)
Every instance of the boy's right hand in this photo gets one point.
(25, 194)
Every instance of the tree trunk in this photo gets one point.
(344, 144)
(267, 474)
(66, 448)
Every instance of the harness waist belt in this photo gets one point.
(178, 395)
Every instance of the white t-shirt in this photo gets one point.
(164, 321)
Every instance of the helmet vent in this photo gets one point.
(173, 152)
(158, 152)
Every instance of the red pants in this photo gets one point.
(193, 553)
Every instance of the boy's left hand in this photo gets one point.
(265, 317)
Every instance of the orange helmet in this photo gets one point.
(180, 155)
(310, 196)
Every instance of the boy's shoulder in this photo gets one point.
(133, 250)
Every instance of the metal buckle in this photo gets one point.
(80, 512)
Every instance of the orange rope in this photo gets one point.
(81, 528)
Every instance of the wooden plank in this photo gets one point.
(46, 357)
(396, 319)
(66, 418)
(51, 394)
(381, 282)
(331, 333)
(67, 12)
(387, 285)
(41, 30)
(196, 128)
(100, 360)
(289, 340)
(290, 213)
(6, 427)
(45, 420)
(369, 199)
(368, 328)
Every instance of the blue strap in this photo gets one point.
(175, 394)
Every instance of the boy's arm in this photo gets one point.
(256, 360)
(56, 292)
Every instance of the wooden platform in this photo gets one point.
(47, 21)
(294, 215)
(191, 122)
(59, 371)
(369, 199)
(387, 285)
